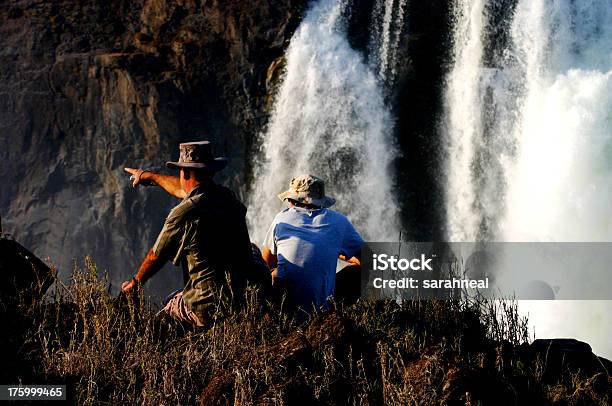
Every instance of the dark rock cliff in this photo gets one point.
(88, 87)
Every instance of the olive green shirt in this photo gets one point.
(207, 234)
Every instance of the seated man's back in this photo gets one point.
(207, 234)
(307, 243)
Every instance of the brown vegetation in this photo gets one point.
(120, 351)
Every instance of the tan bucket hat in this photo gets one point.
(308, 189)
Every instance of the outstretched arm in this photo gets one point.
(150, 266)
(170, 184)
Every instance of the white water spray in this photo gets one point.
(530, 141)
(463, 104)
(561, 185)
(329, 119)
(387, 27)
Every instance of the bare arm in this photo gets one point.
(150, 266)
(170, 184)
(269, 258)
(272, 262)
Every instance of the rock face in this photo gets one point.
(89, 87)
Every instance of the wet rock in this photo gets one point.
(90, 87)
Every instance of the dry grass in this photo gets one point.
(120, 351)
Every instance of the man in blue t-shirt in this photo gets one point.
(304, 242)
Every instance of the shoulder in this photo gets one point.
(335, 216)
(281, 217)
(183, 209)
(341, 221)
(284, 214)
(227, 200)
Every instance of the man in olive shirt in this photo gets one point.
(206, 233)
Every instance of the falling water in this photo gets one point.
(386, 31)
(561, 185)
(529, 140)
(329, 119)
(464, 127)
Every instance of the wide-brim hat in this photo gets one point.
(198, 155)
(307, 189)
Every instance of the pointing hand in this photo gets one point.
(136, 176)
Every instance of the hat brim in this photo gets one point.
(215, 165)
(323, 202)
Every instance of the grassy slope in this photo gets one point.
(119, 351)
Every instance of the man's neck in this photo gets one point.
(201, 185)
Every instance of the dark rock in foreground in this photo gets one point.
(24, 279)
(23, 276)
(559, 354)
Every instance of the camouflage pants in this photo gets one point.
(177, 308)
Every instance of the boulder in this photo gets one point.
(22, 274)
(560, 354)
(24, 279)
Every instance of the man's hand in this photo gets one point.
(269, 258)
(149, 267)
(128, 286)
(170, 184)
(352, 261)
(137, 174)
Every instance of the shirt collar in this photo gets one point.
(304, 210)
(199, 189)
(195, 191)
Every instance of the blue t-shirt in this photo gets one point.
(307, 244)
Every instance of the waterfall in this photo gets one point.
(529, 139)
(329, 119)
(464, 127)
(561, 185)
(386, 30)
